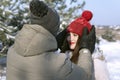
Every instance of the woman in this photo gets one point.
(72, 35)
(72, 43)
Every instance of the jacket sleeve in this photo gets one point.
(86, 63)
(82, 71)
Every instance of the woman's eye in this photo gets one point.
(75, 34)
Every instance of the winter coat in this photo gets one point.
(32, 57)
(82, 62)
(100, 66)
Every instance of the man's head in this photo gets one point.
(43, 15)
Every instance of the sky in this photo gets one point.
(105, 12)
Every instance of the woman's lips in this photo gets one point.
(71, 43)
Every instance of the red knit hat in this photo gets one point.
(77, 25)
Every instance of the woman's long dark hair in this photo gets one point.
(75, 52)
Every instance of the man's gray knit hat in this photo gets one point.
(49, 21)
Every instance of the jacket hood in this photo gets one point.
(33, 40)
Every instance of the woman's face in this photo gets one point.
(72, 40)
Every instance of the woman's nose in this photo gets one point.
(71, 37)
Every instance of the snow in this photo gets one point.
(111, 51)
(2, 76)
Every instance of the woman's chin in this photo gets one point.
(72, 48)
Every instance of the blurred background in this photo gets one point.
(106, 18)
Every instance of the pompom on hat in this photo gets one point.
(78, 25)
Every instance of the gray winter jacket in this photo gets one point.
(33, 57)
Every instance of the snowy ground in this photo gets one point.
(111, 51)
(3, 68)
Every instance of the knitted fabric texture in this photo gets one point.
(78, 25)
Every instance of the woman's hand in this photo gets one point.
(88, 40)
